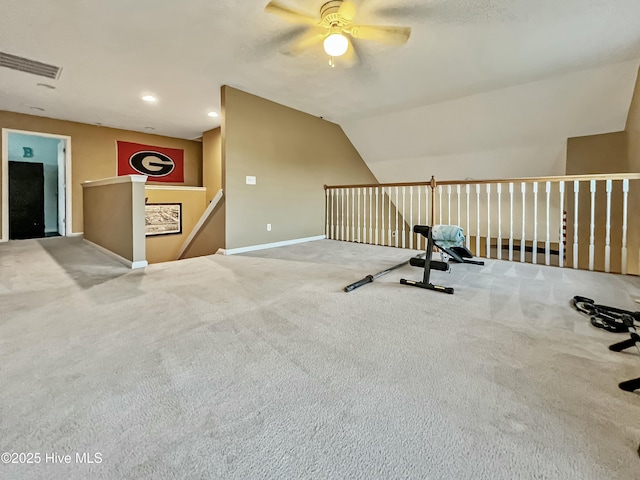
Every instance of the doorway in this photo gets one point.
(36, 170)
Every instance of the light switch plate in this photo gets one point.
(251, 180)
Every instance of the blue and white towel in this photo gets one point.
(447, 236)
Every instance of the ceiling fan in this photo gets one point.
(333, 29)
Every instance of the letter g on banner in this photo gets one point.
(153, 164)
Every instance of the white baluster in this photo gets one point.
(396, 231)
(404, 216)
(576, 200)
(382, 217)
(468, 239)
(547, 243)
(458, 199)
(607, 243)
(625, 197)
(370, 215)
(477, 220)
(389, 237)
(411, 218)
(562, 226)
(359, 217)
(332, 207)
(499, 187)
(364, 215)
(440, 204)
(347, 221)
(326, 213)
(377, 195)
(511, 222)
(418, 223)
(523, 239)
(353, 214)
(449, 202)
(592, 226)
(534, 248)
(342, 216)
(488, 220)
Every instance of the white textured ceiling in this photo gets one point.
(183, 51)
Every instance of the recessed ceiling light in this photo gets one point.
(213, 114)
(46, 85)
(149, 98)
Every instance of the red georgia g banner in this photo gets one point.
(159, 163)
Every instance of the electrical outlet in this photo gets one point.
(268, 227)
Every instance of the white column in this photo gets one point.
(592, 226)
(607, 242)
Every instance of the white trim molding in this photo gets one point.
(203, 219)
(264, 246)
(175, 187)
(115, 256)
(115, 180)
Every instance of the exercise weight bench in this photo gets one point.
(427, 264)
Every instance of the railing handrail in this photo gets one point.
(560, 178)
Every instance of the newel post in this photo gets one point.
(433, 185)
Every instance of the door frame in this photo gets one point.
(4, 232)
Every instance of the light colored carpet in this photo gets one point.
(260, 367)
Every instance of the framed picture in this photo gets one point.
(163, 218)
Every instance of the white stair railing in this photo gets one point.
(532, 226)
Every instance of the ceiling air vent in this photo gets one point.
(29, 66)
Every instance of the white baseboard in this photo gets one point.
(117, 257)
(264, 246)
(75, 234)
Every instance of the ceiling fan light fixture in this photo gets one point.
(336, 45)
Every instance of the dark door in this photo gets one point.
(26, 200)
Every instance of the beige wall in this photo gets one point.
(633, 140)
(94, 151)
(210, 238)
(293, 155)
(605, 153)
(165, 248)
(212, 162)
(114, 218)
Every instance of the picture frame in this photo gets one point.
(163, 219)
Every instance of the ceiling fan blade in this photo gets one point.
(313, 36)
(350, 58)
(388, 35)
(347, 10)
(289, 15)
